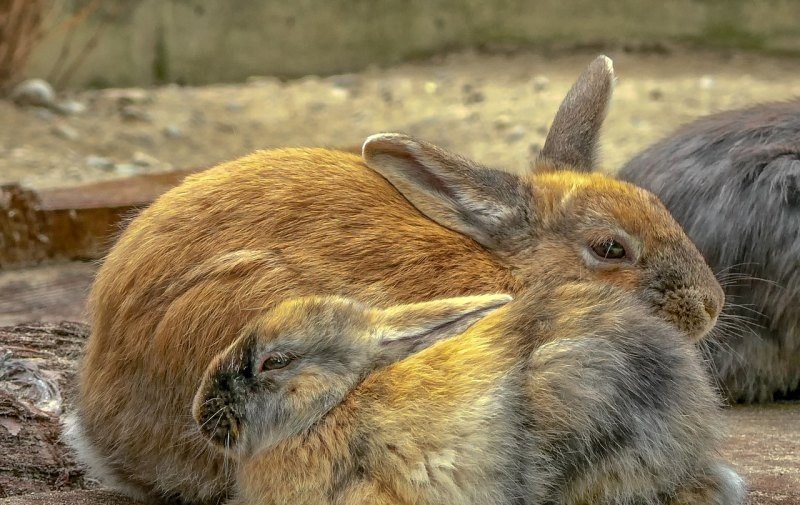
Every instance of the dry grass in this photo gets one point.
(20, 30)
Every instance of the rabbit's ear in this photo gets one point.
(405, 329)
(572, 141)
(457, 193)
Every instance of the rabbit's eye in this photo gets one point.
(609, 250)
(274, 361)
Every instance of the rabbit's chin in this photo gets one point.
(270, 430)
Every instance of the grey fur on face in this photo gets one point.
(732, 180)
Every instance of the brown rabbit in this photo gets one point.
(571, 394)
(410, 223)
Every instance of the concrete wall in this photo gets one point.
(201, 41)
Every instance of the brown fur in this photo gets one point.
(190, 270)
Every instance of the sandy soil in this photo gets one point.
(495, 108)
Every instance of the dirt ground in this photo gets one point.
(495, 108)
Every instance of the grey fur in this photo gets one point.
(732, 180)
(615, 408)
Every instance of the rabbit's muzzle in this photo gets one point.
(215, 411)
(691, 310)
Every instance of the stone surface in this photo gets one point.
(35, 92)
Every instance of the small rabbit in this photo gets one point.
(572, 394)
(733, 181)
(409, 222)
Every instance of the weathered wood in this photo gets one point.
(86, 497)
(37, 367)
(54, 292)
(72, 223)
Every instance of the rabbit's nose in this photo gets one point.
(712, 307)
(713, 301)
(225, 382)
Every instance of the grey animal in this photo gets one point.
(571, 394)
(732, 180)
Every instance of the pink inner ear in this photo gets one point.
(412, 164)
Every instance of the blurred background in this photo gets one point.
(107, 103)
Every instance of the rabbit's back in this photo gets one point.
(187, 274)
(733, 182)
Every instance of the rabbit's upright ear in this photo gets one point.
(405, 329)
(457, 193)
(572, 141)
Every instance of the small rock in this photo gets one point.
(316, 106)
(44, 114)
(143, 139)
(172, 132)
(133, 96)
(93, 161)
(145, 160)
(226, 127)
(65, 132)
(128, 169)
(134, 114)
(655, 94)
(346, 81)
(340, 94)
(472, 95)
(707, 82)
(70, 108)
(540, 83)
(516, 133)
(475, 97)
(36, 92)
(502, 122)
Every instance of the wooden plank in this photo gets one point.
(54, 292)
(72, 223)
(117, 193)
(37, 371)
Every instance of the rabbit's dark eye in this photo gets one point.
(274, 361)
(609, 250)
